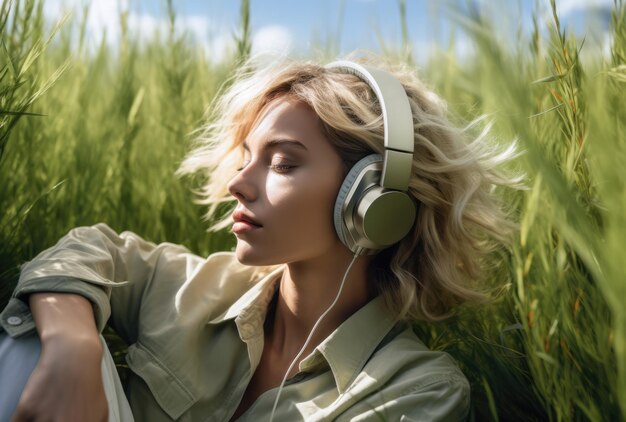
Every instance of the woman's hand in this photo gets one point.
(66, 384)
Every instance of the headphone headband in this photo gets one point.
(397, 122)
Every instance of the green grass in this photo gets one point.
(96, 136)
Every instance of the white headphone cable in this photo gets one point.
(306, 343)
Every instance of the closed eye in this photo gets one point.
(281, 168)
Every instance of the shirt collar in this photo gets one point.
(346, 350)
(350, 346)
(249, 310)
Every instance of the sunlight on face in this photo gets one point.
(288, 186)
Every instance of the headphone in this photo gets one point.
(373, 209)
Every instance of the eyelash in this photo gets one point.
(281, 168)
(278, 168)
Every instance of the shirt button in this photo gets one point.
(14, 320)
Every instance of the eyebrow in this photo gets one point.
(278, 142)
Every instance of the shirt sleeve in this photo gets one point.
(95, 262)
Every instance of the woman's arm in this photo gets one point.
(67, 382)
(67, 293)
(114, 272)
(65, 317)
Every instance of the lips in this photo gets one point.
(241, 216)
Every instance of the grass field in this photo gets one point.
(96, 136)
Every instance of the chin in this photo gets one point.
(248, 256)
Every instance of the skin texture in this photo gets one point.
(66, 384)
(291, 193)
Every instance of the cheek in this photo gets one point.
(306, 206)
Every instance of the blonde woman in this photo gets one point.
(358, 208)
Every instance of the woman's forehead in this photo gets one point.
(288, 122)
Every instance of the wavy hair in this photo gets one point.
(459, 220)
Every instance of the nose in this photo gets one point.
(241, 186)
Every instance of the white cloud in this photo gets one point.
(272, 40)
(104, 20)
(215, 38)
(198, 26)
(148, 25)
(464, 47)
(565, 7)
(103, 17)
(219, 47)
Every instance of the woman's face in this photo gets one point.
(287, 186)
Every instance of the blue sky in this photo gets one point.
(300, 27)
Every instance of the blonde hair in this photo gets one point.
(436, 266)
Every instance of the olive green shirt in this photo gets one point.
(195, 330)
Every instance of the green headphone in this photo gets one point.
(373, 210)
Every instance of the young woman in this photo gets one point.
(358, 208)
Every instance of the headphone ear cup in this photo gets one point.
(383, 216)
(342, 197)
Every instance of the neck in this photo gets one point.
(307, 289)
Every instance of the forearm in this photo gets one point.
(66, 384)
(65, 317)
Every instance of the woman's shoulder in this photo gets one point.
(219, 270)
(177, 263)
(415, 360)
(195, 287)
(410, 380)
